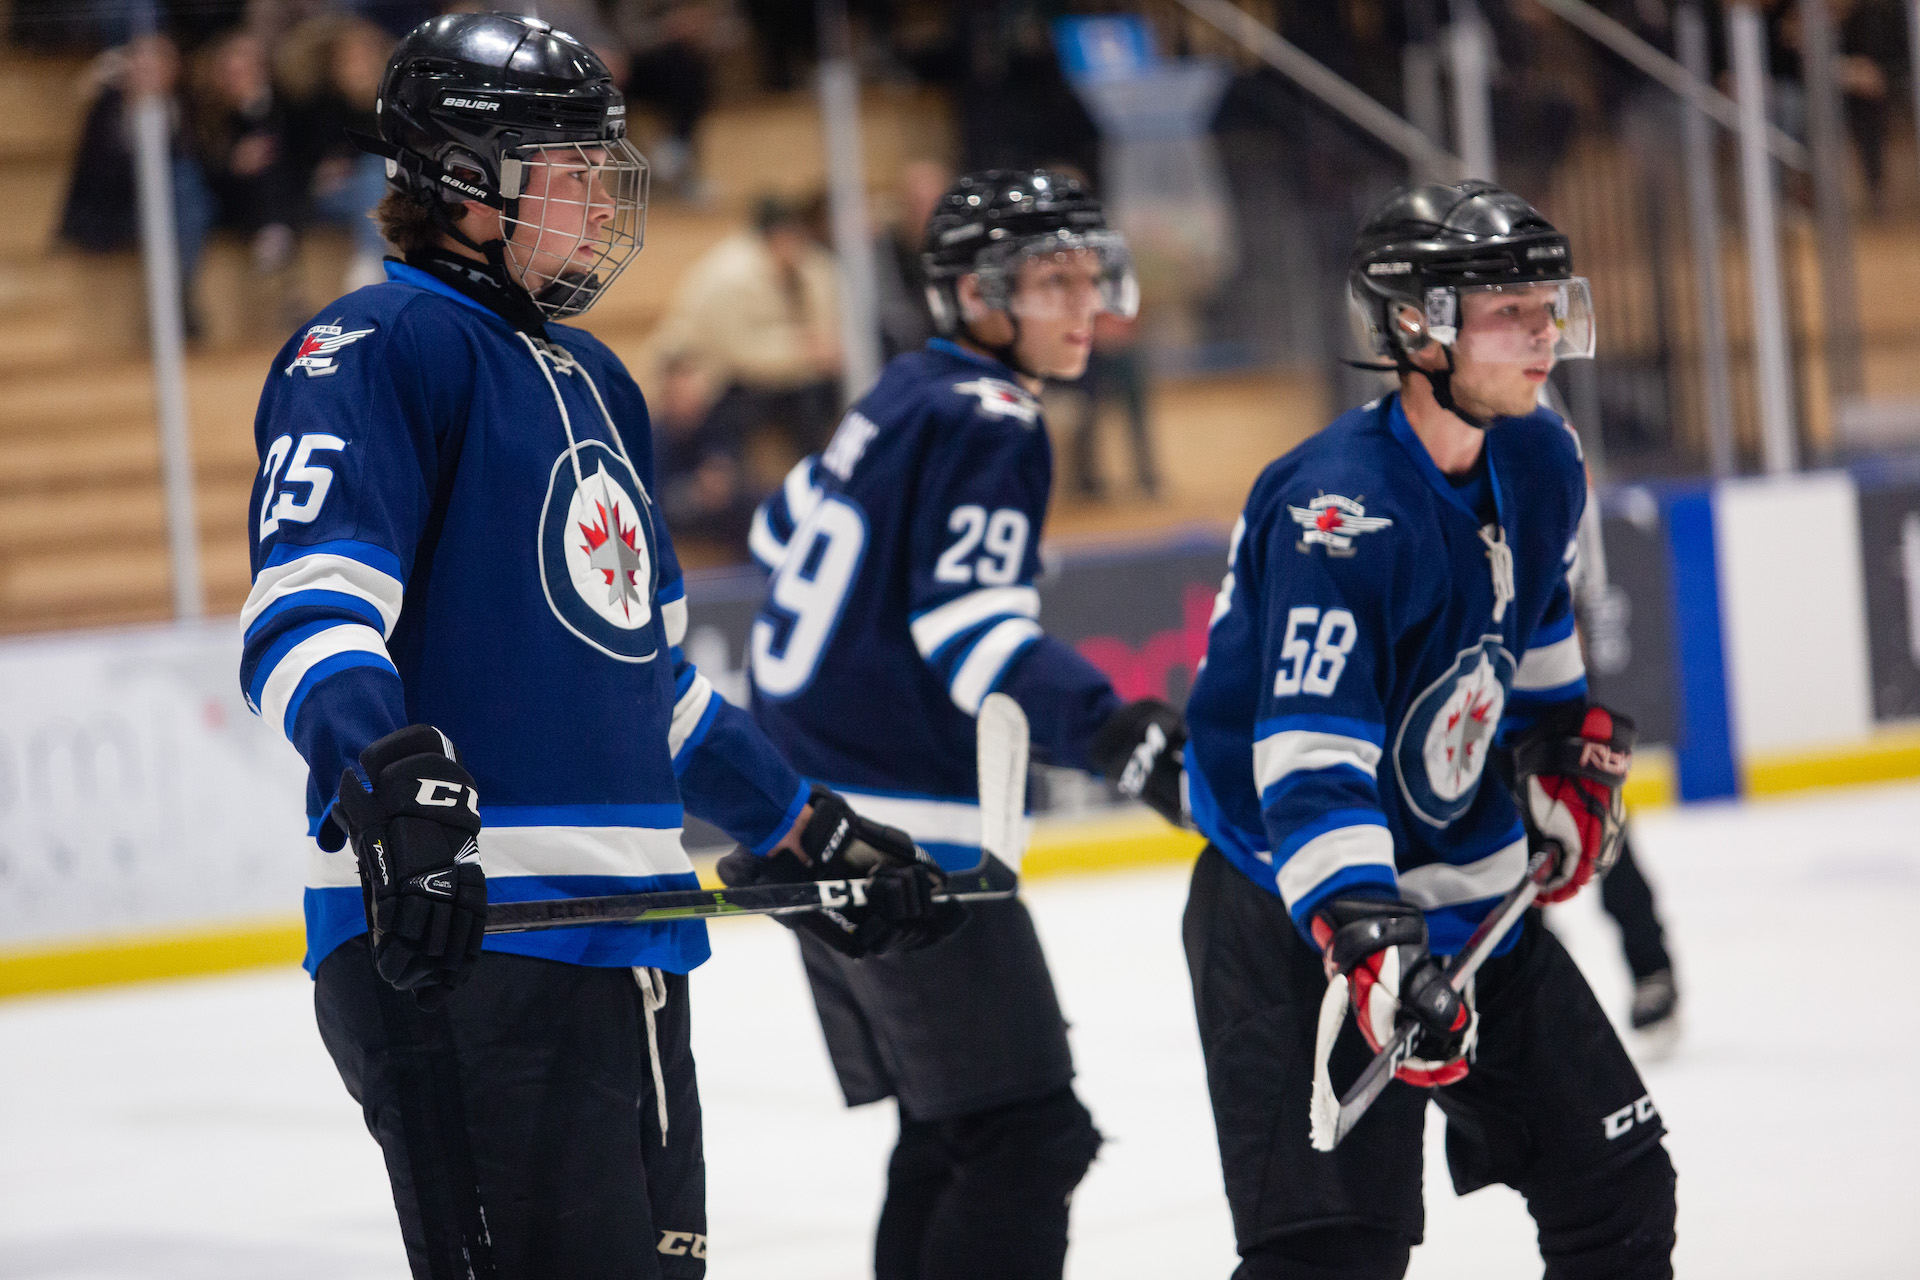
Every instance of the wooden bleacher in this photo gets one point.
(82, 520)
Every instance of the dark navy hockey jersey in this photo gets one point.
(453, 524)
(1372, 637)
(903, 559)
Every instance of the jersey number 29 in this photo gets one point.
(806, 597)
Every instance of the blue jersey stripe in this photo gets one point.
(1345, 726)
(366, 553)
(659, 817)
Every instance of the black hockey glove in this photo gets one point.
(1140, 749)
(1567, 774)
(416, 838)
(893, 907)
(1381, 945)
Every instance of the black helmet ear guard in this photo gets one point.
(1428, 245)
(471, 105)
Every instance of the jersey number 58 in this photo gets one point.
(1314, 666)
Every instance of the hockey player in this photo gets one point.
(1397, 596)
(454, 542)
(903, 560)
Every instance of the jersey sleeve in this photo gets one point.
(781, 512)
(1552, 671)
(973, 608)
(729, 773)
(1323, 640)
(350, 461)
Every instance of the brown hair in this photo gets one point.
(407, 221)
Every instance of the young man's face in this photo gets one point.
(1505, 348)
(1055, 298)
(565, 210)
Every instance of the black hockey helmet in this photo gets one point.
(989, 222)
(1428, 245)
(472, 102)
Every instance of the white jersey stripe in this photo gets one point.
(687, 713)
(284, 680)
(1439, 885)
(927, 821)
(541, 851)
(1335, 851)
(1279, 754)
(763, 542)
(1551, 666)
(325, 573)
(673, 616)
(802, 496)
(988, 658)
(938, 625)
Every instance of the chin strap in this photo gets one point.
(1440, 380)
(1005, 354)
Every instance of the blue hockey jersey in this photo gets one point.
(903, 559)
(453, 524)
(1372, 637)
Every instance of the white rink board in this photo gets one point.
(137, 791)
(1793, 612)
(196, 1130)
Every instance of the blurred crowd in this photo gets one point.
(260, 96)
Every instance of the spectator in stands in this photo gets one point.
(671, 45)
(905, 324)
(102, 210)
(240, 130)
(701, 482)
(759, 314)
(329, 71)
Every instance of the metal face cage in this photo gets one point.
(575, 215)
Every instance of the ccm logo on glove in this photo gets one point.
(446, 794)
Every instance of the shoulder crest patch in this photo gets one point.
(1001, 399)
(1334, 522)
(317, 350)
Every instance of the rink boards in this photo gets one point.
(1766, 633)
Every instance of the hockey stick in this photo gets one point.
(1001, 757)
(1002, 761)
(1330, 1124)
(991, 879)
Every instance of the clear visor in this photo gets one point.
(1063, 277)
(1515, 323)
(579, 215)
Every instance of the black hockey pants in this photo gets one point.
(984, 1195)
(1552, 1107)
(520, 1122)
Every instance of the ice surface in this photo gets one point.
(196, 1130)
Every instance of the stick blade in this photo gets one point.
(1002, 761)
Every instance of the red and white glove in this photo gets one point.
(1380, 946)
(1568, 772)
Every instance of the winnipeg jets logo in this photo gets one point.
(1334, 522)
(318, 348)
(598, 565)
(1457, 741)
(1001, 399)
(1440, 752)
(610, 539)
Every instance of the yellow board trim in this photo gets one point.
(143, 957)
(1887, 757)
